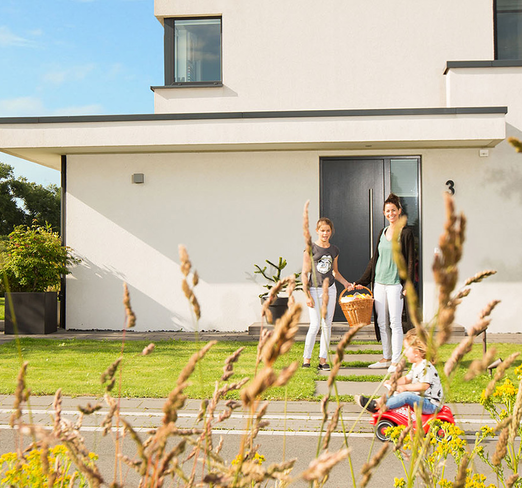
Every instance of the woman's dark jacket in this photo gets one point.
(408, 251)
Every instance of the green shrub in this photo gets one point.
(34, 259)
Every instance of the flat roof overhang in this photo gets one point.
(44, 140)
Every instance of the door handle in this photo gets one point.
(370, 196)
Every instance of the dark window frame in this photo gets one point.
(169, 60)
(495, 34)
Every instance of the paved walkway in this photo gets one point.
(296, 417)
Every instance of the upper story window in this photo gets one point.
(193, 51)
(508, 29)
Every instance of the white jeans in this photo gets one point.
(388, 306)
(316, 320)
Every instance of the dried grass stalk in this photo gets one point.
(20, 395)
(501, 449)
(478, 366)
(514, 477)
(460, 480)
(368, 468)
(306, 228)
(445, 269)
(283, 336)
(465, 346)
(321, 466)
(176, 397)
(402, 437)
(130, 315)
(499, 373)
(186, 266)
(486, 312)
(394, 378)
(147, 350)
(325, 298)
(480, 276)
(108, 375)
(228, 369)
(332, 425)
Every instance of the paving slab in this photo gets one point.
(367, 358)
(357, 372)
(351, 388)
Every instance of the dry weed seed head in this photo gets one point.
(478, 366)
(283, 335)
(367, 468)
(460, 479)
(131, 317)
(501, 449)
(108, 375)
(332, 425)
(394, 378)
(464, 346)
(488, 309)
(499, 373)
(321, 466)
(306, 228)
(480, 276)
(514, 477)
(228, 369)
(146, 351)
(20, 395)
(325, 298)
(445, 267)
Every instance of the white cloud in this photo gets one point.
(8, 38)
(93, 109)
(22, 106)
(73, 73)
(33, 106)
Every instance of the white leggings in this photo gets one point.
(316, 320)
(388, 303)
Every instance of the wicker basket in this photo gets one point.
(357, 311)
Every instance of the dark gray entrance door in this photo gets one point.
(352, 194)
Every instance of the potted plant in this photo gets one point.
(272, 277)
(33, 263)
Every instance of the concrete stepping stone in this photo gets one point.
(350, 388)
(367, 358)
(357, 372)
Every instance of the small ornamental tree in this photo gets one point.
(34, 259)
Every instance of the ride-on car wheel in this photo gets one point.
(381, 427)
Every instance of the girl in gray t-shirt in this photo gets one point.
(316, 269)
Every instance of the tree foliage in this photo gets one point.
(22, 202)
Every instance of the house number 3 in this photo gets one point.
(451, 187)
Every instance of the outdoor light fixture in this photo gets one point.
(138, 178)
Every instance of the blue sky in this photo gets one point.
(76, 57)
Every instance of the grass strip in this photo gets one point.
(76, 365)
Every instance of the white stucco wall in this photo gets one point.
(301, 54)
(230, 210)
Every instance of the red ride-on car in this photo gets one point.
(401, 416)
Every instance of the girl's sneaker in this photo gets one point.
(324, 367)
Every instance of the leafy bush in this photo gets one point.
(34, 259)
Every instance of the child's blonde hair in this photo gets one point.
(413, 340)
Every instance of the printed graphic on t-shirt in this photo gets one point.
(324, 265)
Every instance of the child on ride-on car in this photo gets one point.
(420, 386)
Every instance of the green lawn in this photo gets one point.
(76, 366)
(2, 308)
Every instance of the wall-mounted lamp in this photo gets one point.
(138, 178)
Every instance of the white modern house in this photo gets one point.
(266, 105)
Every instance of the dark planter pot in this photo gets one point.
(35, 313)
(277, 309)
